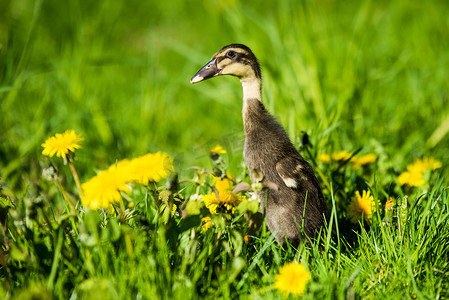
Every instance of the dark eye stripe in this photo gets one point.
(242, 58)
(220, 58)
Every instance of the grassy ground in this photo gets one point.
(355, 75)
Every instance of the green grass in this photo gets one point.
(368, 75)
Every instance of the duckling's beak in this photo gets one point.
(208, 71)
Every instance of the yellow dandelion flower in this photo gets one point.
(207, 223)
(411, 178)
(150, 167)
(361, 206)
(230, 200)
(341, 155)
(325, 158)
(211, 202)
(62, 143)
(418, 166)
(389, 204)
(218, 150)
(292, 279)
(222, 184)
(414, 176)
(229, 175)
(431, 164)
(367, 159)
(363, 160)
(104, 189)
(226, 198)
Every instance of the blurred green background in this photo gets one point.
(371, 74)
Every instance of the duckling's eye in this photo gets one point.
(230, 54)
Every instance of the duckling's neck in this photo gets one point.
(252, 98)
(251, 90)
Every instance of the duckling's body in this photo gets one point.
(297, 202)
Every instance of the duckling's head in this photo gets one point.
(235, 59)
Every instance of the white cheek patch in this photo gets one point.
(237, 69)
(224, 62)
(233, 69)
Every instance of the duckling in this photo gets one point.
(296, 206)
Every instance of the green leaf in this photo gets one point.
(236, 241)
(92, 287)
(164, 196)
(18, 254)
(167, 212)
(253, 206)
(5, 203)
(89, 228)
(402, 214)
(112, 231)
(193, 207)
(246, 205)
(238, 263)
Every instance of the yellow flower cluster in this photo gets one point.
(62, 144)
(341, 155)
(225, 197)
(389, 205)
(356, 161)
(292, 279)
(104, 188)
(218, 150)
(363, 205)
(367, 159)
(414, 176)
(207, 223)
(150, 167)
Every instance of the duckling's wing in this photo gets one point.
(296, 173)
